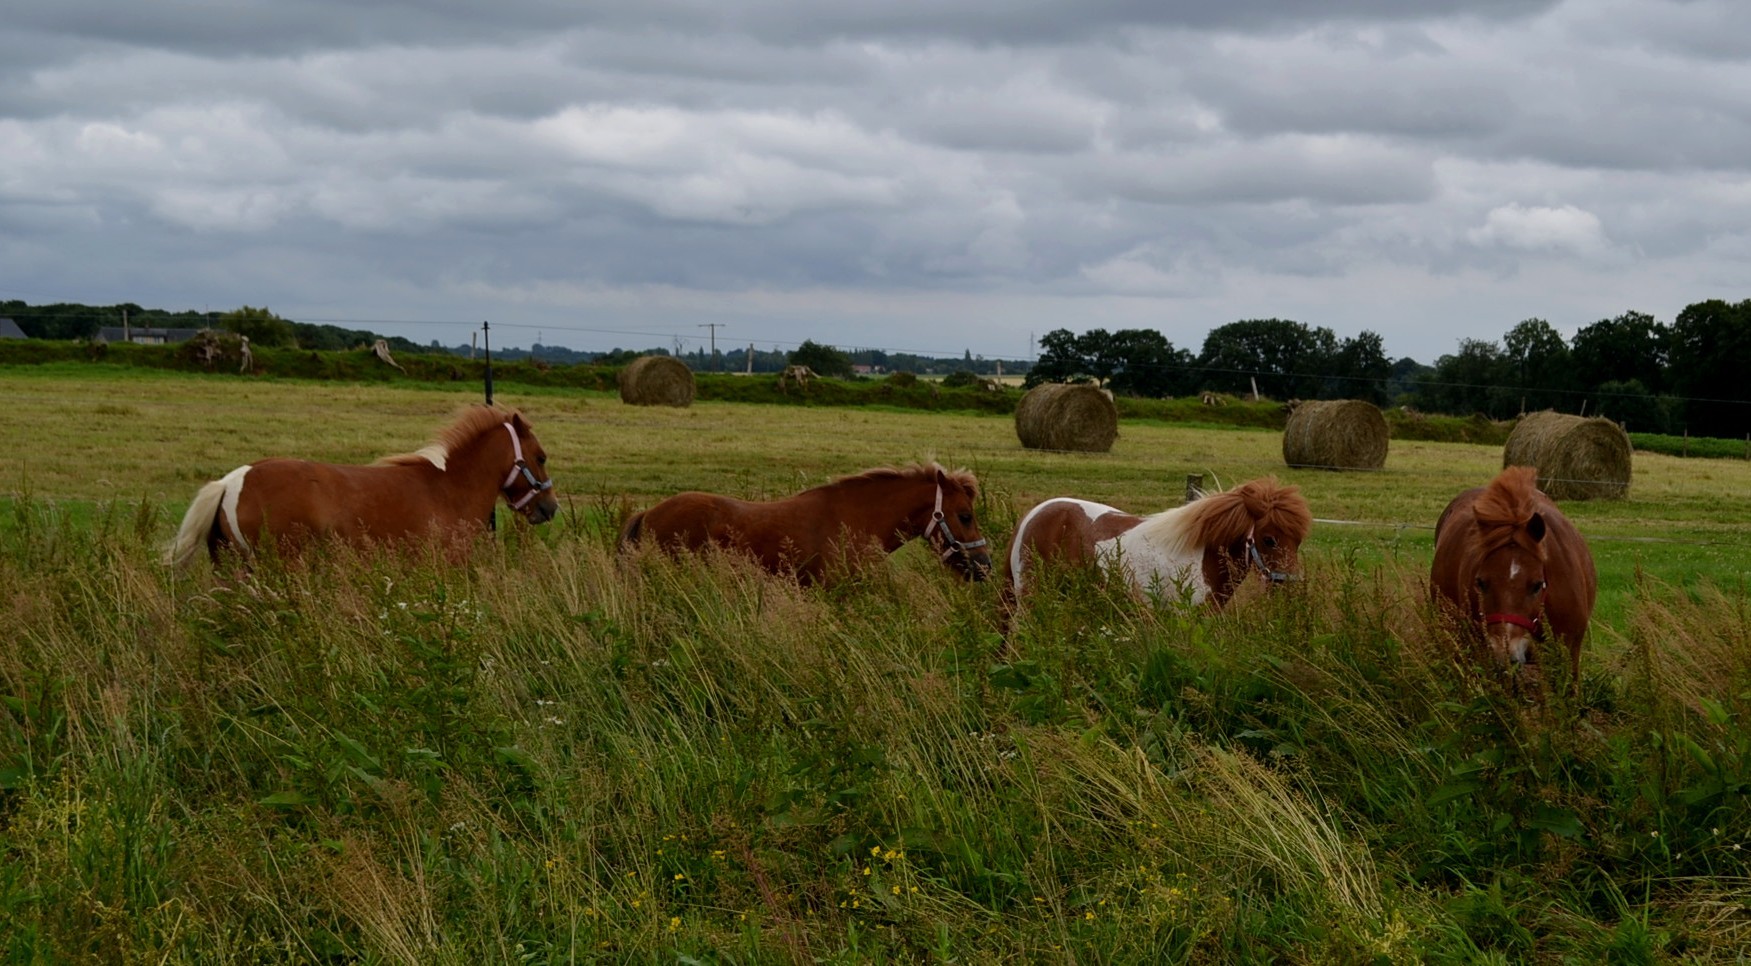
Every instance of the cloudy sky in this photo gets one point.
(935, 176)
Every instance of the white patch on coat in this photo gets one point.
(1089, 509)
(233, 490)
(434, 454)
(1154, 555)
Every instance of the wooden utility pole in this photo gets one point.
(713, 326)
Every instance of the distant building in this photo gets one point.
(145, 334)
(10, 330)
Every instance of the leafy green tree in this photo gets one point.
(1402, 381)
(1473, 380)
(1540, 366)
(1133, 362)
(1631, 347)
(1148, 365)
(260, 326)
(824, 359)
(1630, 403)
(1710, 350)
(1060, 360)
(1360, 370)
(1288, 359)
(1099, 357)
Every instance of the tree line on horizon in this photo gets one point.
(75, 322)
(1689, 376)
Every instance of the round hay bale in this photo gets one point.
(656, 381)
(1057, 415)
(1578, 457)
(1336, 434)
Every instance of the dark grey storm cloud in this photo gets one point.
(933, 176)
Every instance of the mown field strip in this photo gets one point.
(157, 437)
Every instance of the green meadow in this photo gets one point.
(555, 755)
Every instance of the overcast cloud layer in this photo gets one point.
(921, 176)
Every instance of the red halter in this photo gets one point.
(1518, 620)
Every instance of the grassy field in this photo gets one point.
(551, 755)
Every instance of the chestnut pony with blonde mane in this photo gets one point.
(1202, 550)
(444, 491)
(830, 529)
(1512, 569)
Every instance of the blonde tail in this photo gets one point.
(195, 525)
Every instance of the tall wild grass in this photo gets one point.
(555, 755)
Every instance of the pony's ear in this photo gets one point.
(518, 423)
(1535, 527)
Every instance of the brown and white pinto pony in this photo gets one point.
(831, 529)
(444, 491)
(1203, 550)
(1513, 569)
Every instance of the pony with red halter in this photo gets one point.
(830, 529)
(445, 490)
(1203, 551)
(1510, 567)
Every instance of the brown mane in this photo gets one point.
(1503, 509)
(1225, 518)
(468, 426)
(917, 471)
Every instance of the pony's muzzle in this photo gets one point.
(542, 510)
(1507, 648)
(1508, 637)
(976, 566)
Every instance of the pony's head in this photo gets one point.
(953, 531)
(527, 487)
(1259, 525)
(1506, 576)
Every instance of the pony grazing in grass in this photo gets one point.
(830, 529)
(1512, 568)
(443, 491)
(1202, 551)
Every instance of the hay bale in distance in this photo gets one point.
(1336, 434)
(656, 381)
(1065, 416)
(1578, 458)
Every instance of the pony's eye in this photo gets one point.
(1270, 543)
(541, 460)
(1537, 587)
(966, 519)
(1482, 584)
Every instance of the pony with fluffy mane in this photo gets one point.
(1202, 551)
(830, 529)
(1512, 569)
(444, 490)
